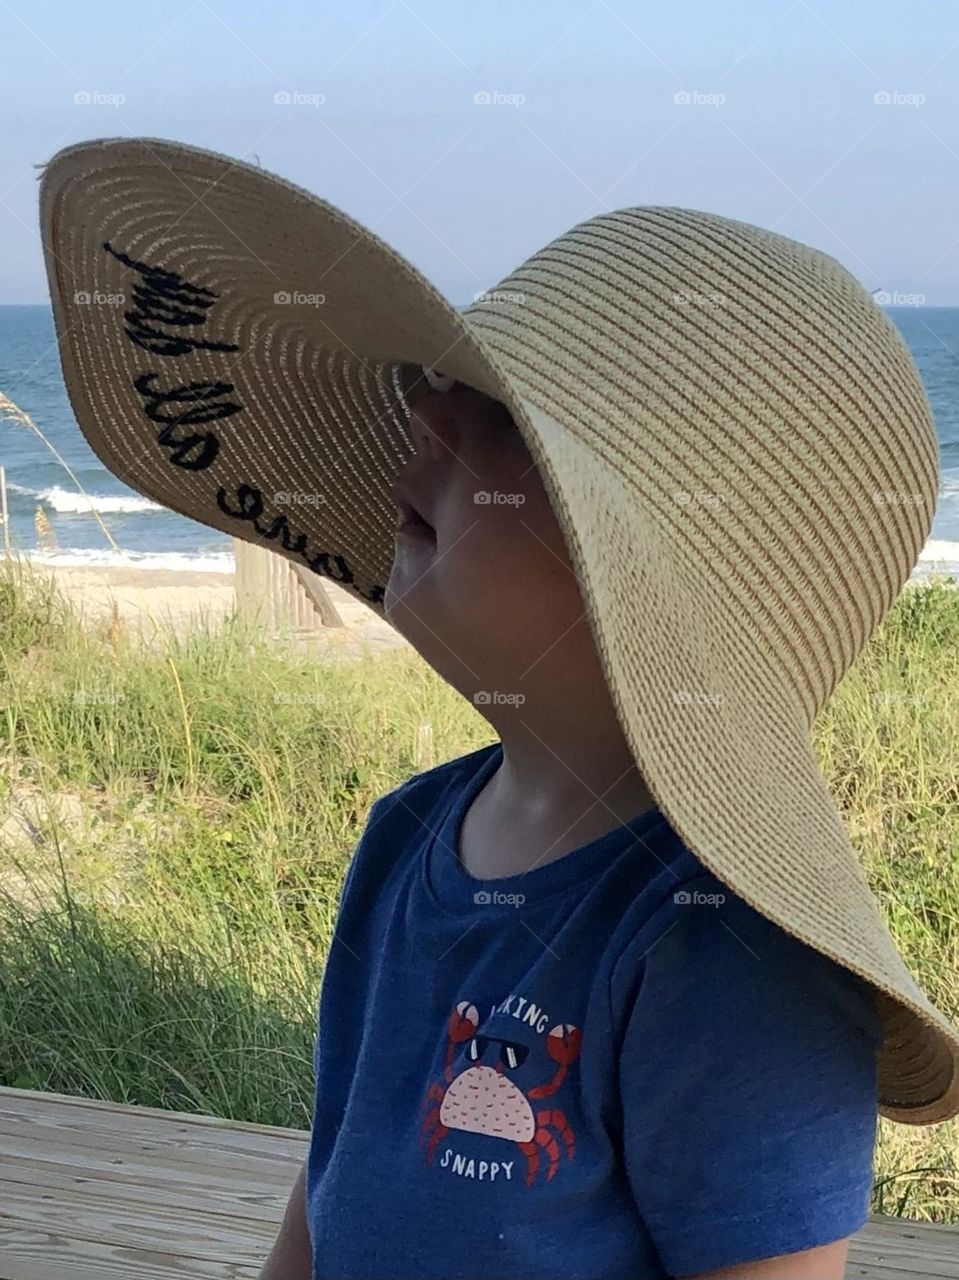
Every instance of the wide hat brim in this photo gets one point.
(236, 349)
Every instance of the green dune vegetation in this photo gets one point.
(175, 821)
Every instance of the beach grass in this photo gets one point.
(178, 820)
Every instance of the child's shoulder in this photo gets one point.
(402, 819)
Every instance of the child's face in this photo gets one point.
(481, 582)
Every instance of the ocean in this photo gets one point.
(151, 537)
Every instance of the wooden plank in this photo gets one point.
(179, 1129)
(4, 513)
(42, 1255)
(179, 1145)
(262, 1203)
(85, 1185)
(176, 1153)
(162, 1170)
(229, 1237)
(44, 1102)
(900, 1249)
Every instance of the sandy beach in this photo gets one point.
(149, 601)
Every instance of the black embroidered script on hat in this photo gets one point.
(194, 452)
(165, 298)
(165, 305)
(251, 508)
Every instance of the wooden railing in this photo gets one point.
(278, 594)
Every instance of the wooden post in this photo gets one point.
(424, 756)
(4, 514)
(250, 582)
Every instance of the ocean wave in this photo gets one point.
(90, 558)
(71, 502)
(939, 555)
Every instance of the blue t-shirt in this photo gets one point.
(608, 1067)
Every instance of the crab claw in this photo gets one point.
(463, 1022)
(563, 1043)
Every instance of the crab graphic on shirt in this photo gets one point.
(481, 1098)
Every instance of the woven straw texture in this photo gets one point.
(733, 436)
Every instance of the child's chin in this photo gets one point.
(409, 603)
(414, 609)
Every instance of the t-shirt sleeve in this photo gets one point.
(748, 1085)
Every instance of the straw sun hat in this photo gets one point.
(733, 437)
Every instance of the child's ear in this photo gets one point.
(438, 381)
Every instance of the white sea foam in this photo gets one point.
(92, 558)
(72, 502)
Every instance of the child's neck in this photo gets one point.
(544, 801)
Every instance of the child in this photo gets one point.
(607, 998)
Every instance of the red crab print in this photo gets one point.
(481, 1099)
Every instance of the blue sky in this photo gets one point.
(781, 126)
